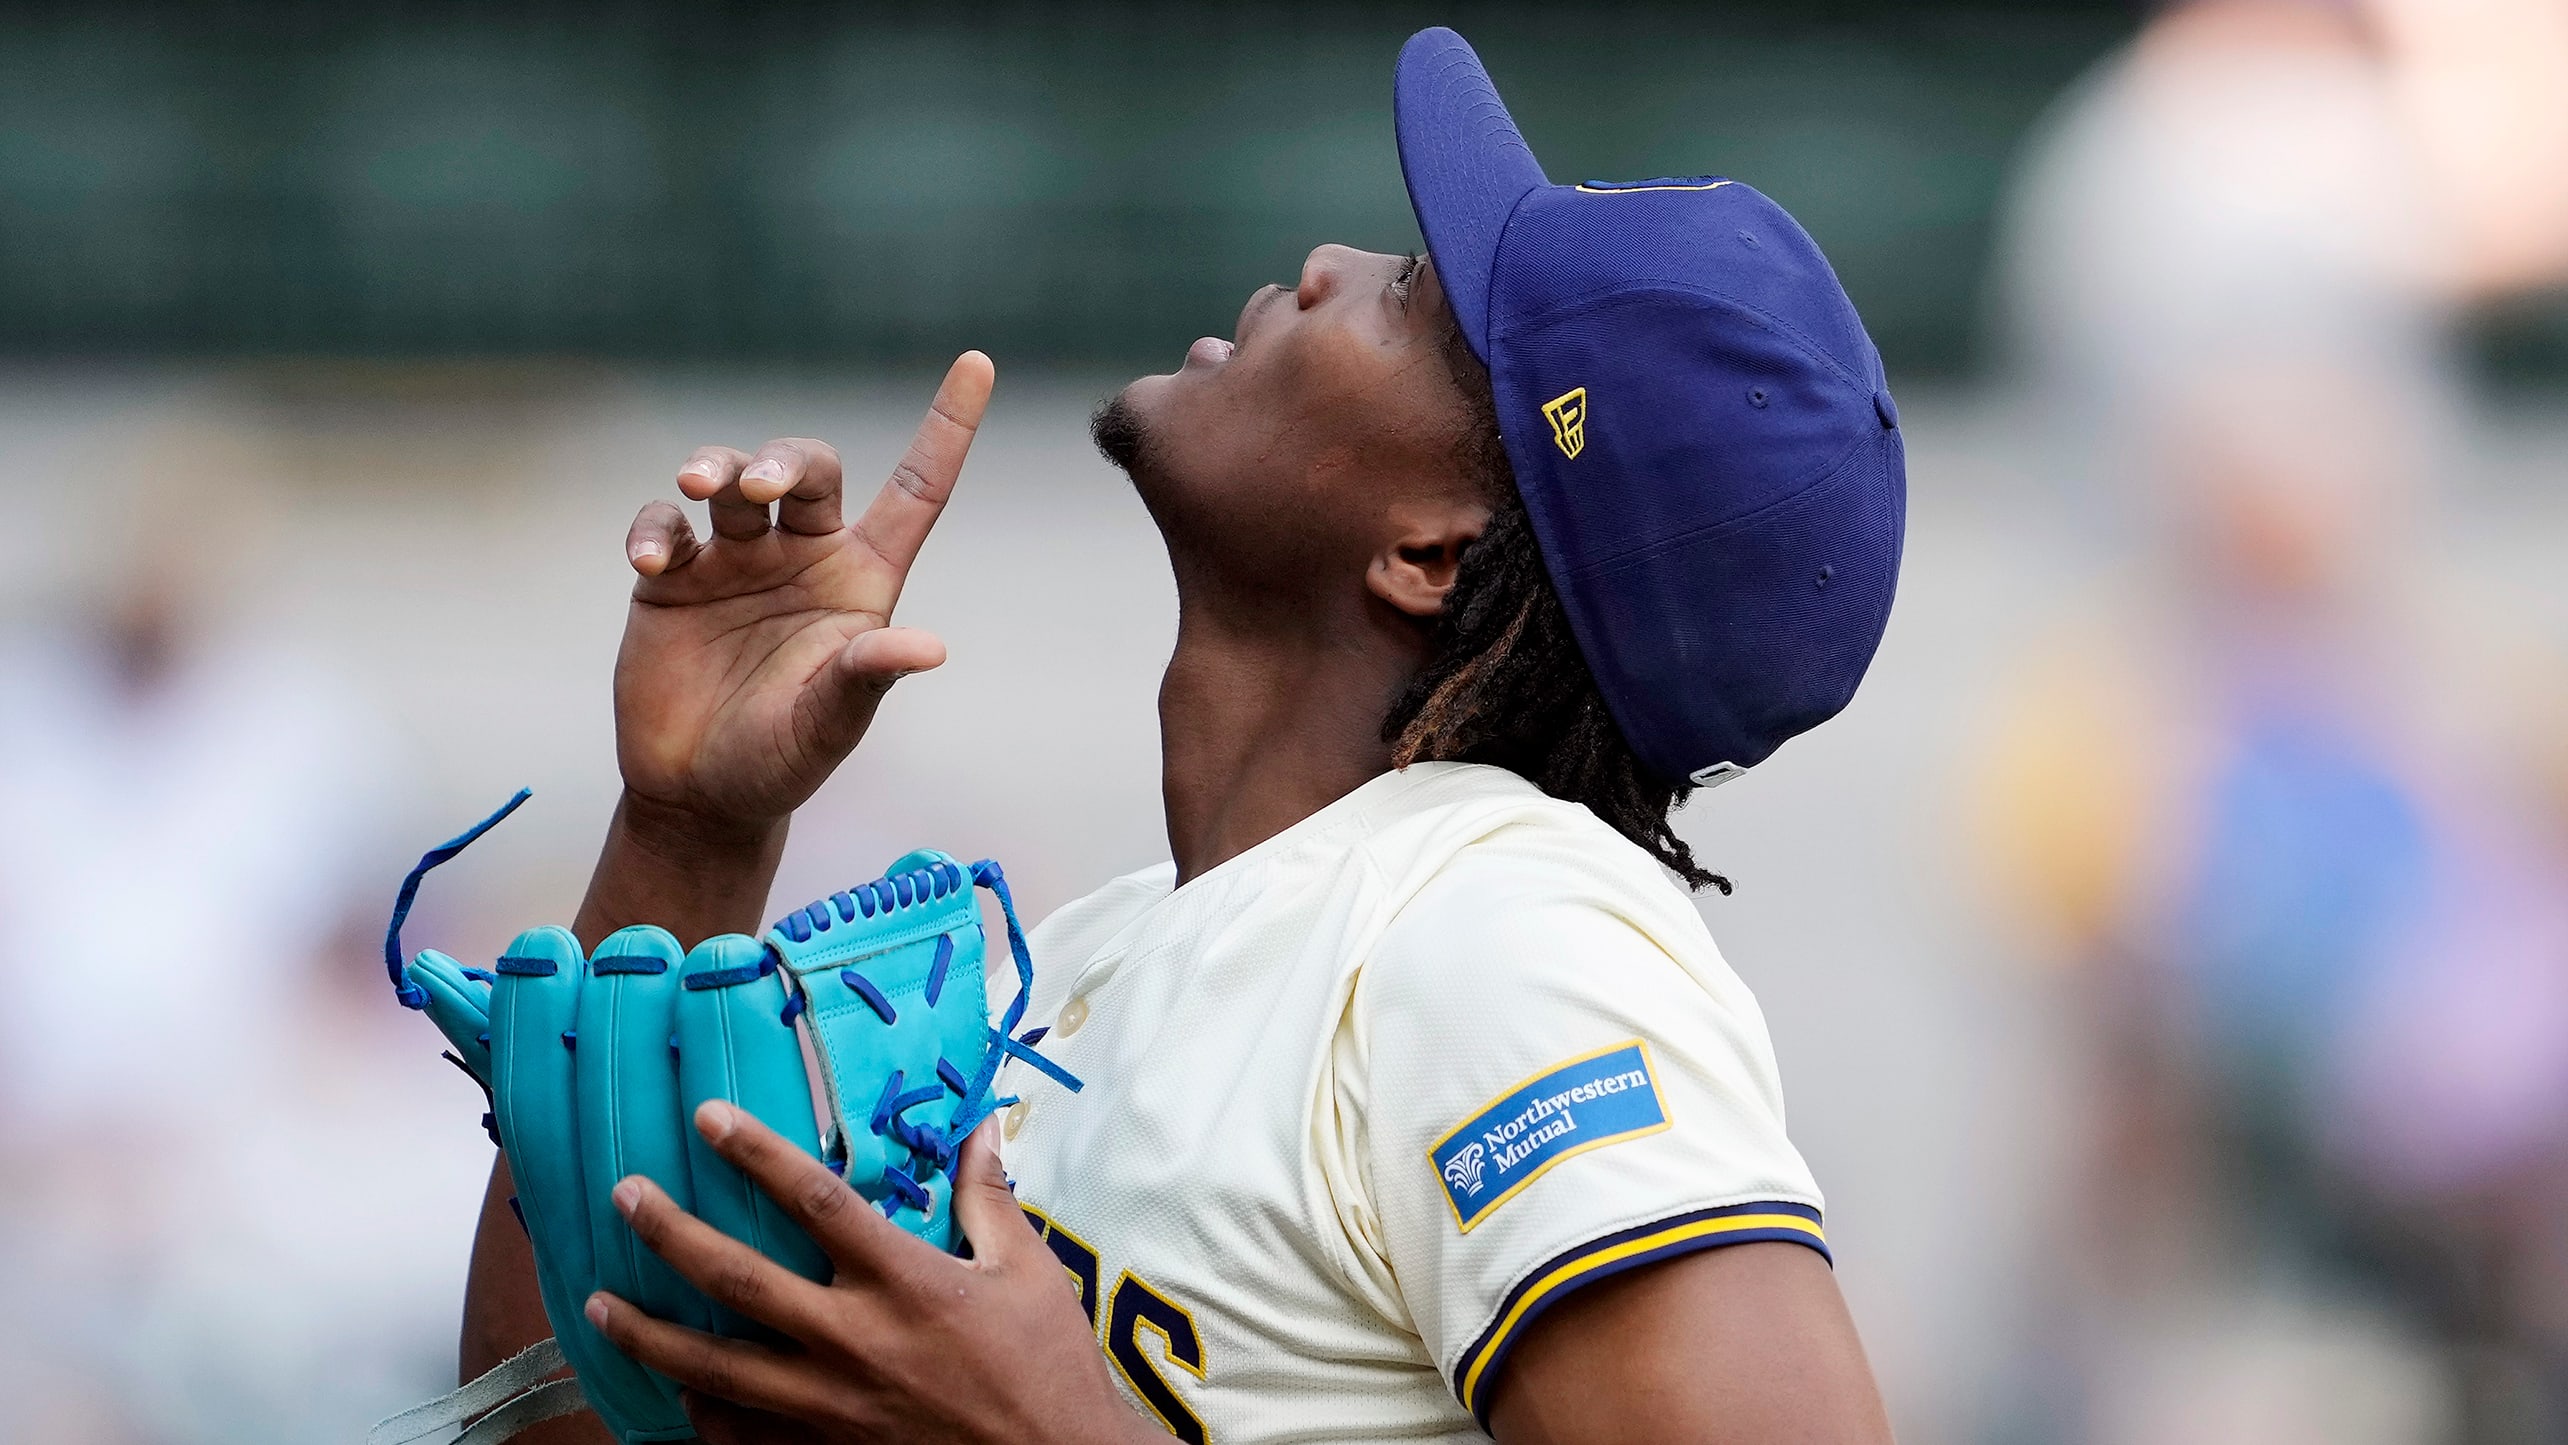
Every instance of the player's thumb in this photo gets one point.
(984, 1205)
(851, 685)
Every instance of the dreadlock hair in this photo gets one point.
(1504, 682)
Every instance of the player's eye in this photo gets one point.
(1401, 284)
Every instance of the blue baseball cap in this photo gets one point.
(1699, 426)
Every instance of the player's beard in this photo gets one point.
(1128, 440)
(1124, 438)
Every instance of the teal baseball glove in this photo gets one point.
(595, 1065)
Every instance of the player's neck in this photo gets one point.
(1258, 732)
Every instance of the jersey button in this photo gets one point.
(1073, 1014)
(1016, 1117)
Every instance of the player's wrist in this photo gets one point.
(691, 873)
(694, 836)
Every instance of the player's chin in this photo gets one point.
(1169, 400)
(1147, 394)
(1123, 426)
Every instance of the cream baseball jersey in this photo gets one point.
(1365, 1100)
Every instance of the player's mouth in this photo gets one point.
(1212, 350)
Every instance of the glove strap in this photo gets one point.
(549, 1401)
(511, 1396)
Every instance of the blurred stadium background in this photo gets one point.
(2166, 953)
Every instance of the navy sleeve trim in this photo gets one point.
(1556, 1278)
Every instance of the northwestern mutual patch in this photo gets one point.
(1586, 1103)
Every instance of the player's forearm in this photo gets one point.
(692, 876)
(504, 1313)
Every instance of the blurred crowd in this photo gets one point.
(198, 1156)
(2276, 809)
(2287, 802)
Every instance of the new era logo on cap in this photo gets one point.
(1567, 414)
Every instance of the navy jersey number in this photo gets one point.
(1135, 1309)
(1075, 1256)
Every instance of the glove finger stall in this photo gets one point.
(534, 1036)
(736, 1043)
(458, 1004)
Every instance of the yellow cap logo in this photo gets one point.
(1567, 414)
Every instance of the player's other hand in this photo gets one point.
(904, 1343)
(753, 660)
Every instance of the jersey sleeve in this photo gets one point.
(1548, 1081)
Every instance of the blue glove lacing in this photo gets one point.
(412, 995)
(932, 1151)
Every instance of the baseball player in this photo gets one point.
(1419, 1103)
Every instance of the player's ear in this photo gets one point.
(1416, 568)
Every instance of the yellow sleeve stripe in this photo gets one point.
(1739, 1224)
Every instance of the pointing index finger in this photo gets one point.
(896, 524)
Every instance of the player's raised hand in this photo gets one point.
(753, 661)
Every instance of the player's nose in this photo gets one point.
(1324, 271)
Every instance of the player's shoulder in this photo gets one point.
(1540, 891)
(1513, 850)
(1537, 947)
(1476, 817)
